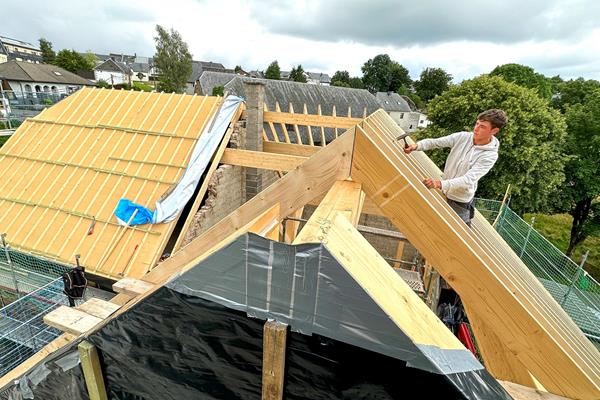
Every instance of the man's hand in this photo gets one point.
(432, 184)
(410, 148)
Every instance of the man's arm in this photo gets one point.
(477, 171)
(437, 143)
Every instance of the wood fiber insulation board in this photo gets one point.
(527, 321)
(66, 169)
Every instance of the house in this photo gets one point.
(3, 54)
(113, 72)
(38, 81)
(198, 67)
(209, 80)
(318, 78)
(400, 111)
(19, 50)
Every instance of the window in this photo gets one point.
(46, 89)
(57, 73)
(28, 88)
(401, 115)
(54, 89)
(38, 88)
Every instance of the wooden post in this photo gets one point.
(274, 342)
(90, 363)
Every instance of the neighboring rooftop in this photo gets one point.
(210, 79)
(28, 72)
(392, 101)
(20, 43)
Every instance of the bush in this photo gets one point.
(103, 84)
(218, 91)
(142, 87)
(47, 102)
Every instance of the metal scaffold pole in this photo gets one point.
(10, 265)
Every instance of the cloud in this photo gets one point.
(389, 22)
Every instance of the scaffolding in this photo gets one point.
(572, 287)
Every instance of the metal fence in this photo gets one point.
(30, 287)
(22, 329)
(570, 285)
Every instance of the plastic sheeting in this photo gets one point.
(129, 213)
(306, 288)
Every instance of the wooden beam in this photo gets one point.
(290, 149)
(478, 276)
(261, 160)
(267, 225)
(273, 372)
(313, 178)
(132, 287)
(345, 197)
(92, 371)
(310, 120)
(520, 392)
(382, 283)
(71, 320)
(291, 227)
(98, 308)
(496, 357)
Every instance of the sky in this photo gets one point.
(465, 37)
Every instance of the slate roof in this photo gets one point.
(391, 101)
(210, 79)
(112, 65)
(319, 76)
(29, 72)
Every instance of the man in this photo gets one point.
(472, 155)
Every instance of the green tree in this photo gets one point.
(342, 78)
(218, 91)
(432, 82)
(357, 83)
(172, 59)
(382, 74)
(525, 76)
(273, 71)
(297, 74)
(574, 92)
(582, 169)
(419, 103)
(90, 60)
(48, 54)
(72, 61)
(529, 160)
(237, 69)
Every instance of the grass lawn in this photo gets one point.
(557, 228)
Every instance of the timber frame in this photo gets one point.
(524, 335)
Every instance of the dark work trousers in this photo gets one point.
(465, 211)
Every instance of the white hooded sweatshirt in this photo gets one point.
(465, 165)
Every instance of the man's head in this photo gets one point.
(488, 124)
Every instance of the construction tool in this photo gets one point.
(91, 228)
(403, 137)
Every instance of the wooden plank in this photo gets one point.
(273, 371)
(496, 357)
(435, 230)
(314, 177)
(291, 227)
(311, 120)
(520, 392)
(204, 186)
(92, 371)
(261, 160)
(383, 284)
(290, 149)
(98, 308)
(132, 287)
(345, 197)
(369, 207)
(268, 224)
(71, 320)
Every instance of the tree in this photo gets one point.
(90, 60)
(582, 169)
(357, 83)
(48, 54)
(525, 76)
(574, 92)
(73, 61)
(238, 69)
(417, 101)
(432, 82)
(342, 78)
(381, 74)
(273, 71)
(218, 91)
(172, 59)
(530, 158)
(297, 74)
